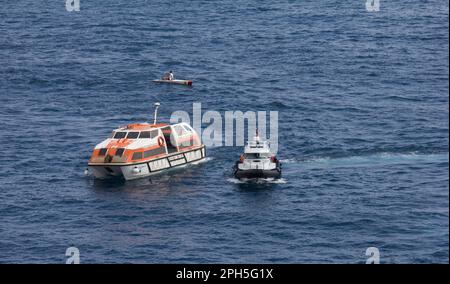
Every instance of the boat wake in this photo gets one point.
(257, 181)
(377, 159)
(205, 160)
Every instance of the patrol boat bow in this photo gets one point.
(257, 161)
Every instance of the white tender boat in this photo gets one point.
(142, 149)
(257, 161)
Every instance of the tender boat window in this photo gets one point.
(132, 135)
(154, 152)
(119, 152)
(188, 129)
(137, 156)
(120, 135)
(148, 134)
(154, 133)
(149, 153)
(144, 134)
(180, 130)
(102, 152)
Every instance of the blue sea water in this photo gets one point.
(363, 125)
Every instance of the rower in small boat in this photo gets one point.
(168, 76)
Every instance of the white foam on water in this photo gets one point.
(235, 180)
(271, 180)
(378, 159)
(289, 161)
(205, 160)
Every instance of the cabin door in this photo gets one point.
(167, 131)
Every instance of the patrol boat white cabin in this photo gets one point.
(257, 161)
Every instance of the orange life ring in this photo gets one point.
(160, 141)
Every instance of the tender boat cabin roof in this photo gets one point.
(141, 126)
(147, 130)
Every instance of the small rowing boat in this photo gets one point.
(175, 81)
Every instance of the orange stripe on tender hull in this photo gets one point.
(120, 143)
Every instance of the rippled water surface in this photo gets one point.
(363, 125)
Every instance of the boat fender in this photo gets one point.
(136, 170)
(161, 141)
